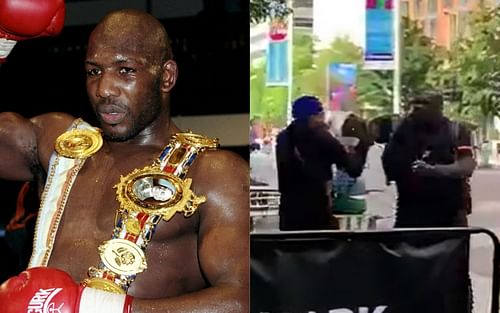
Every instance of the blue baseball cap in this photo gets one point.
(305, 106)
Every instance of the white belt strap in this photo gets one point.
(61, 175)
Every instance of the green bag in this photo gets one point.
(349, 194)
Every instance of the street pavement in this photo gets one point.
(486, 214)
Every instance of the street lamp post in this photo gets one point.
(396, 94)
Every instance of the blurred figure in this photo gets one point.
(305, 153)
(381, 194)
(20, 230)
(256, 134)
(349, 193)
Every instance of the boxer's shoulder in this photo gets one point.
(218, 162)
(223, 177)
(48, 127)
(49, 122)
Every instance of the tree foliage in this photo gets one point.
(476, 61)
(471, 71)
(374, 88)
(419, 59)
(260, 10)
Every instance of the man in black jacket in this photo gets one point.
(430, 158)
(305, 153)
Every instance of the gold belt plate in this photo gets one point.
(196, 140)
(78, 143)
(123, 257)
(152, 191)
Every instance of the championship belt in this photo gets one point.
(147, 196)
(72, 148)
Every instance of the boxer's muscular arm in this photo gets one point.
(223, 242)
(18, 143)
(23, 20)
(26, 144)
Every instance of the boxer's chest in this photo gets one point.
(90, 214)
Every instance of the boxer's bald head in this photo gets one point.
(133, 31)
(130, 73)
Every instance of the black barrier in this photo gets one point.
(401, 270)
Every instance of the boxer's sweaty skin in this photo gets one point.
(204, 257)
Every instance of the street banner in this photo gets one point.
(342, 86)
(277, 53)
(370, 272)
(379, 45)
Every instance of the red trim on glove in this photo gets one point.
(77, 304)
(127, 306)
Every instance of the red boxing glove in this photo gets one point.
(44, 290)
(26, 19)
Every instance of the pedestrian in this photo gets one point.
(305, 153)
(431, 158)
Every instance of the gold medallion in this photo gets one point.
(123, 257)
(78, 143)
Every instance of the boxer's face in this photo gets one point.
(123, 85)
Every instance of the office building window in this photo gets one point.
(433, 28)
(431, 6)
(453, 28)
(463, 24)
(418, 7)
(404, 9)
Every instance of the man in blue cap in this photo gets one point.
(305, 153)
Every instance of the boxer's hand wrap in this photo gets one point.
(43, 290)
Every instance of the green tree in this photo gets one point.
(271, 102)
(260, 10)
(374, 88)
(419, 59)
(476, 62)
(313, 79)
(309, 75)
(375, 92)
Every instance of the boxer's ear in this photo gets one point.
(169, 75)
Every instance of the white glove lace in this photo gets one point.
(5, 47)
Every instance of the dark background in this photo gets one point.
(47, 75)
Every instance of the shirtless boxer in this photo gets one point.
(197, 259)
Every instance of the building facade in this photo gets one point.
(443, 20)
